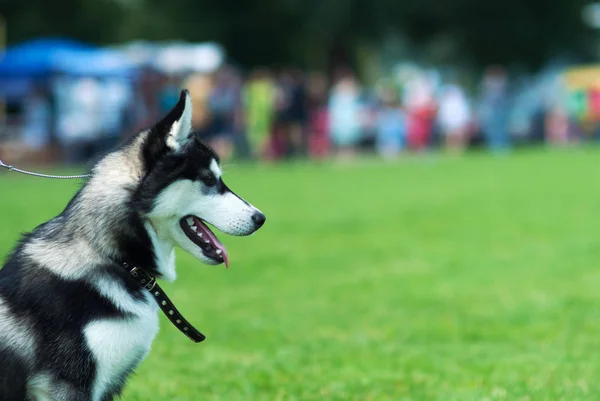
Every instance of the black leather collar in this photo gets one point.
(148, 282)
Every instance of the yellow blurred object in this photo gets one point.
(583, 77)
(199, 86)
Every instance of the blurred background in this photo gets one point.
(284, 79)
(428, 169)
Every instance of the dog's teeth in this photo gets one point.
(219, 251)
(194, 228)
(190, 221)
(200, 234)
(207, 241)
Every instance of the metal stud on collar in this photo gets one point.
(149, 282)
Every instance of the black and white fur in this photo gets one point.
(73, 325)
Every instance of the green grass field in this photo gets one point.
(434, 278)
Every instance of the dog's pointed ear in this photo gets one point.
(174, 130)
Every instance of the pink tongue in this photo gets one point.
(213, 239)
(224, 255)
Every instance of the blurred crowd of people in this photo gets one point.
(295, 114)
(286, 114)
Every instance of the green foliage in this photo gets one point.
(316, 33)
(95, 21)
(432, 278)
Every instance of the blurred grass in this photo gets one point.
(436, 278)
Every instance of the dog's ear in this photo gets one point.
(172, 132)
(175, 128)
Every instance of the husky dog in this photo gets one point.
(73, 322)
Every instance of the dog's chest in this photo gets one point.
(118, 345)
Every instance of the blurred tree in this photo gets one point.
(317, 32)
(93, 21)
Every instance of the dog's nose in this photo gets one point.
(259, 219)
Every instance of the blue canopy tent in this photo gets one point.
(56, 66)
(21, 66)
(35, 58)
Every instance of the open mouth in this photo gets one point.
(200, 234)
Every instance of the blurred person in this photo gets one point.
(454, 117)
(279, 139)
(318, 133)
(168, 93)
(421, 110)
(199, 86)
(258, 97)
(60, 87)
(494, 109)
(223, 104)
(556, 126)
(143, 108)
(556, 120)
(79, 124)
(345, 115)
(390, 137)
(523, 116)
(294, 112)
(37, 119)
(115, 100)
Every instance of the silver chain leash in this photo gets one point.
(58, 177)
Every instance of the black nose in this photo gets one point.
(259, 219)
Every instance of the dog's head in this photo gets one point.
(183, 189)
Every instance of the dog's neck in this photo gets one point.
(100, 226)
(164, 251)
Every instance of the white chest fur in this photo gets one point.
(120, 344)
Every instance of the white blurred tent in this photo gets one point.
(94, 63)
(176, 57)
